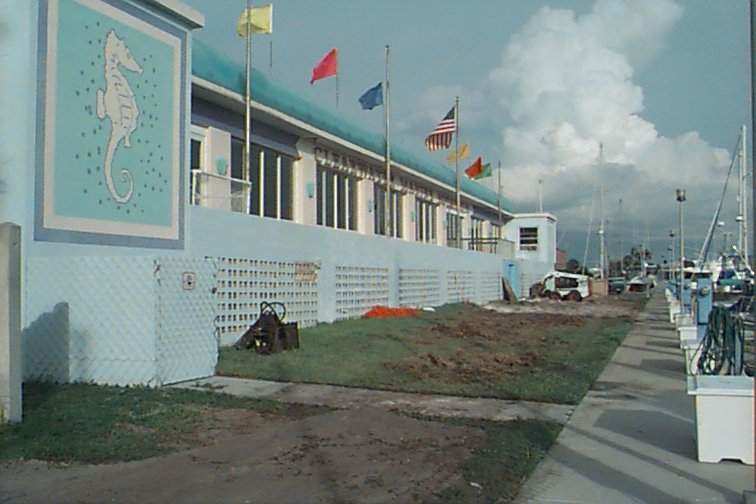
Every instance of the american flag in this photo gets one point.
(441, 137)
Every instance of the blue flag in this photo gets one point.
(372, 97)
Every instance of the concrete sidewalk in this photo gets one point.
(631, 439)
(352, 397)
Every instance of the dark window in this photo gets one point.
(330, 176)
(287, 187)
(320, 188)
(341, 201)
(194, 164)
(379, 205)
(270, 183)
(528, 238)
(352, 185)
(237, 155)
(254, 178)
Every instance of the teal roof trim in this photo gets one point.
(213, 67)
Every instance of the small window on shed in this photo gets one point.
(528, 238)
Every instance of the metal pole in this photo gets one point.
(753, 105)
(456, 170)
(602, 245)
(540, 195)
(621, 252)
(388, 214)
(681, 199)
(498, 199)
(247, 114)
(744, 197)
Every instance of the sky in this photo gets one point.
(658, 87)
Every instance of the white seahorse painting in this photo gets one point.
(117, 102)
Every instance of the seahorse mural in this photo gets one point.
(118, 104)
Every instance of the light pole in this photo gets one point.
(672, 256)
(680, 193)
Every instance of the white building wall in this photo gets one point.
(305, 186)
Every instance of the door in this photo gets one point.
(187, 344)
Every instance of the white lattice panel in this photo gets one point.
(187, 345)
(360, 288)
(419, 287)
(90, 319)
(243, 283)
(460, 286)
(489, 286)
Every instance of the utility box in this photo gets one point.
(10, 323)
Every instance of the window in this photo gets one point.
(496, 231)
(565, 283)
(195, 163)
(452, 220)
(425, 221)
(336, 199)
(379, 215)
(528, 238)
(270, 177)
(476, 242)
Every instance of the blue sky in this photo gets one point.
(689, 73)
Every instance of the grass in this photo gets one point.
(373, 353)
(101, 424)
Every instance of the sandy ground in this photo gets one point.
(607, 307)
(360, 455)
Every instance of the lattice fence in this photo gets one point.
(460, 286)
(489, 286)
(419, 287)
(244, 283)
(360, 288)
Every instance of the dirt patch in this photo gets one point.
(463, 367)
(362, 455)
(494, 344)
(600, 307)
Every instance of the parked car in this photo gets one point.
(617, 285)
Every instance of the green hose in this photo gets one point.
(723, 344)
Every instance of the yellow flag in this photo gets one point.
(464, 151)
(260, 19)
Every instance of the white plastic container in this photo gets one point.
(683, 320)
(690, 347)
(687, 333)
(724, 417)
(674, 310)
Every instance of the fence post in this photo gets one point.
(10, 323)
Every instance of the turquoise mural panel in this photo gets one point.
(114, 120)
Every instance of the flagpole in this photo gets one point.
(389, 212)
(498, 199)
(247, 118)
(456, 170)
(337, 89)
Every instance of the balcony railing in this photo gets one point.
(217, 191)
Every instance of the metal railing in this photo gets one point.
(202, 192)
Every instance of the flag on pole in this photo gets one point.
(258, 19)
(475, 169)
(372, 97)
(441, 137)
(485, 172)
(326, 67)
(464, 151)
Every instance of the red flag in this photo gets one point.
(326, 67)
(475, 169)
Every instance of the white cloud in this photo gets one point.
(567, 84)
